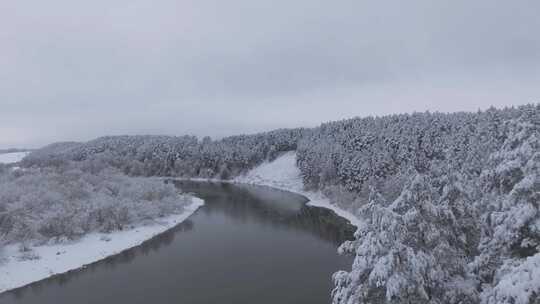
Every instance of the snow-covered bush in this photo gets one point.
(64, 202)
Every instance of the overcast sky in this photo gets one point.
(75, 70)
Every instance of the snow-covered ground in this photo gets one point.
(92, 248)
(9, 158)
(283, 174)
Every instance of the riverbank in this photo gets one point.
(57, 259)
(283, 174)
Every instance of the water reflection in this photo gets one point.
(247, 244)
(271, 206)
(110, 263)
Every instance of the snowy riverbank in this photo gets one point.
(57, 259)
(283, 174)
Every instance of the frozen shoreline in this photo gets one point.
(283, 174)
(57, 259)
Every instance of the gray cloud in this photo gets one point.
(76, 70)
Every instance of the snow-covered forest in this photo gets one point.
(63, 202)
(449, 203)
(173, 156)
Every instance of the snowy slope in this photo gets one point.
(8, 158)
(91, 248)
(283, 174)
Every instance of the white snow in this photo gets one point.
(9, 158)
(519, 281)
(56, 259)
(282, 173)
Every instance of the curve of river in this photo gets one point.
(247, 244)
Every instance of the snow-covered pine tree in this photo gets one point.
(510, 241)
(410, 251)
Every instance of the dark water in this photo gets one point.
(246, 245)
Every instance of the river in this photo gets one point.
(248, 244)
